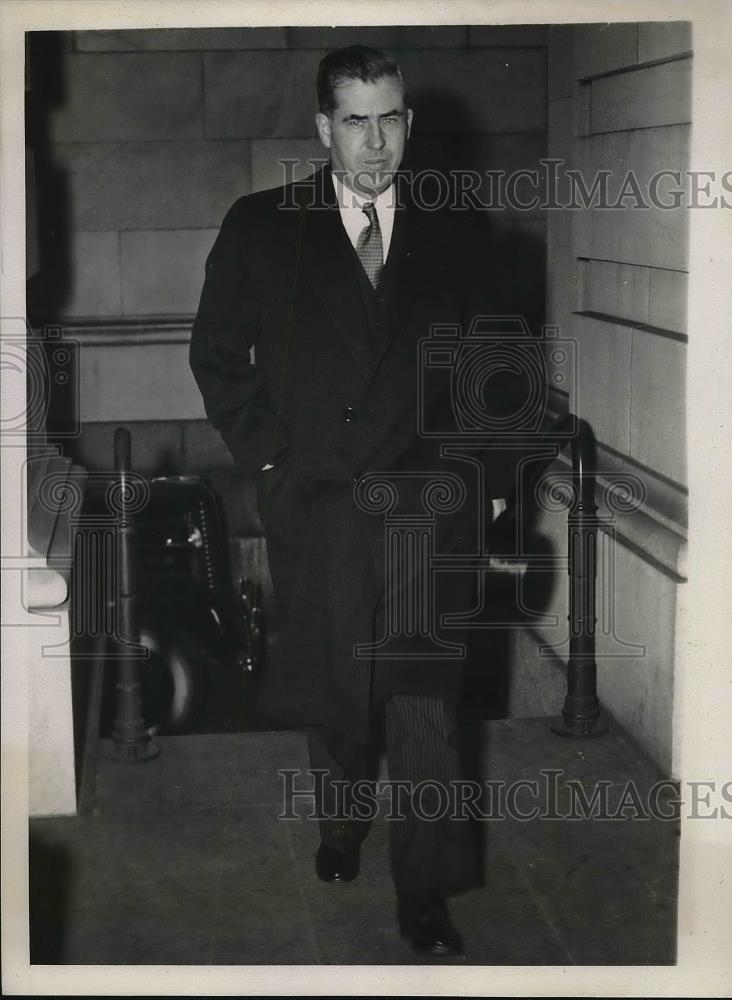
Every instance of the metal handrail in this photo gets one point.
(581, 714)
(130, 736)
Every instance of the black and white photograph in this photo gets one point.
(365, 446)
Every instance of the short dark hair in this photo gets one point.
(357, 62)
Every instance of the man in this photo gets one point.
(334, 283)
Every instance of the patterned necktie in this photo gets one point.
(369, 248)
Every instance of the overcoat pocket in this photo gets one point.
(270, 483)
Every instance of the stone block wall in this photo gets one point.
(620, 101)
(157, 132)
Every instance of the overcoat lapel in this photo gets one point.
(330, 259)
(400, 279)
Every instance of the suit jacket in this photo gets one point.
(335, 394)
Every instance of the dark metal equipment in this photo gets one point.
(161, 592)
(186, 569)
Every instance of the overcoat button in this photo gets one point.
(349, 414)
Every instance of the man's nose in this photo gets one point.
(375, 137)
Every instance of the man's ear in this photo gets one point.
(322, 123)
(409, 121)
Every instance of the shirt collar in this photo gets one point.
(348, 199)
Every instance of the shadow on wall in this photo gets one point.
(49, 286)
(48, 289)
(515, 270)
(516, 258)
(511, 602)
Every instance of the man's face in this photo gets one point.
(366, 133)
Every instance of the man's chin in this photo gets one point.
(372, 182)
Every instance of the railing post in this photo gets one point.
(581, 715)
(130, 738)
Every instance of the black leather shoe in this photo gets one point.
(426, 926)
(336, 866)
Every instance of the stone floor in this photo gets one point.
(182, 860)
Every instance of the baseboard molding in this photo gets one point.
(559, 667)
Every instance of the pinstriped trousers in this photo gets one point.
(427, 855)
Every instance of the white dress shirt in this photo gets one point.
(354, 221)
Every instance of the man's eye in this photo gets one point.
(355, 123)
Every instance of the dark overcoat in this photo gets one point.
(335, 394)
